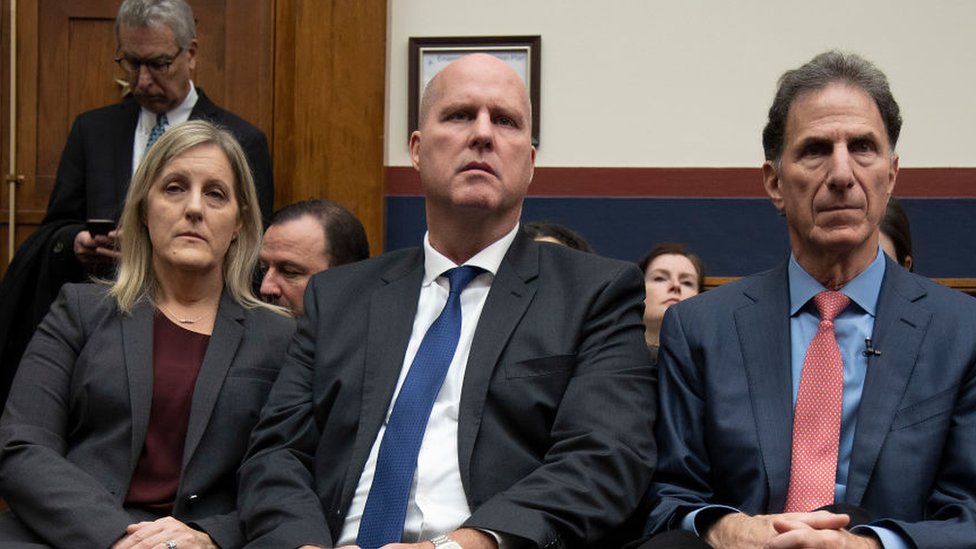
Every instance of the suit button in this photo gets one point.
(58, 247)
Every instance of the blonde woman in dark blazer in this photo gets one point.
(133, 403)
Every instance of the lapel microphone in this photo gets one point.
(869, 349)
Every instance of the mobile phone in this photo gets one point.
(99, 226)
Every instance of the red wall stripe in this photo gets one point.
(693, 182)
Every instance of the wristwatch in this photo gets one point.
(444, 542)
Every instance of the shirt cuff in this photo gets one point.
(499, 539)
(711, 514)
(889, 538)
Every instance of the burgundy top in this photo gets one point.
(177, 356)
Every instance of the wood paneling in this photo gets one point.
(329, 99)
(66, 66)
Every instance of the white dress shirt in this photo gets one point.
(147, 121)
(437, 503)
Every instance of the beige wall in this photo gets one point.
(687, 82)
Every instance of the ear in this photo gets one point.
(191, 55)
(415, 149)
(772, 184)
(892, 174)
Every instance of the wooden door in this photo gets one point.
(66, 51)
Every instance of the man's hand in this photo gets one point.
(468, 538)
(737, 530)
(98, 250)
(144, 535)
(793, 534)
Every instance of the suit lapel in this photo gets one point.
(507, 301)
(392, 308)
(899, 330)
(224, 341)
(764, 339)
(137, 346)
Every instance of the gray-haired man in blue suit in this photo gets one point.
(770, 410)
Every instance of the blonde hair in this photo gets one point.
(136, 279)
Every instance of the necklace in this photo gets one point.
(182, 320)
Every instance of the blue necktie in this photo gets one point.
(158, 129)
(386, 505)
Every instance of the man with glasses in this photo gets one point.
(157, 51)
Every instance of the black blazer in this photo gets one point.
(96, 164)
(726, 408)
(555, 441)
(77, 415)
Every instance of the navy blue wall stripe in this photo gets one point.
(734, 236)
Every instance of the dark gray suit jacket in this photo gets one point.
(725, 424)
(555, 425)
(78, 412)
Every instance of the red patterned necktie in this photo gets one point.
(816, 419)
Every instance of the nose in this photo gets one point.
(841, 174)
(143, 77)
(482, 131)
(270, 290)
(674, 286)
(194, 204)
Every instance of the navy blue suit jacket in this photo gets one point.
(725, 424)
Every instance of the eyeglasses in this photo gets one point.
(157, 67)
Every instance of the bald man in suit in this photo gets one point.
(540, 432)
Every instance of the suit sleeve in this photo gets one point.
(277, 499)
(68, 198)
(601, 451)
(681, 482)
(51, 495)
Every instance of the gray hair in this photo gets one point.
(175, 14)
(824, 69)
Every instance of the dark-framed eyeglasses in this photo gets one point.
(158, 66)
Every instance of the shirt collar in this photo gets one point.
(176, 116)
(489, 259)
(863, 289)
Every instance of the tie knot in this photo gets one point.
(830, 304)
(460, 277)
(161, 120)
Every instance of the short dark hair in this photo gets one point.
(821, 71)
(344, 234)
(565, 235)
(895, 226)
(674, 248)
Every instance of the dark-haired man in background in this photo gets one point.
(305, 238)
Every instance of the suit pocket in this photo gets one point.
(542, 366)
(260, 374)
(934, 406)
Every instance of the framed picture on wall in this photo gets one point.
(429, 55)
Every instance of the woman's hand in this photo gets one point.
(166, 533)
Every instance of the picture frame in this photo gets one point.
(429, 55)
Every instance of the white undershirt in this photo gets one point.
(437, 502)
(147, 121)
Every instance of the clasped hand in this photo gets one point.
(816, 530)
